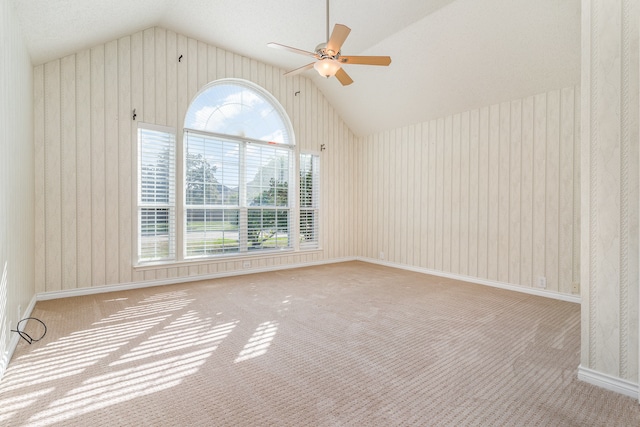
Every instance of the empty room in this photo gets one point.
(319, 213)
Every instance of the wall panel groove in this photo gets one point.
(497, 198)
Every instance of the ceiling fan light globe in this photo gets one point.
(327, 67)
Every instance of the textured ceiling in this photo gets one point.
(447, 56)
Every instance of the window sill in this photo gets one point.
(221, 258)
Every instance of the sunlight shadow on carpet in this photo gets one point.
(176, 337)
(175, 348)
(14, 404)
(259, 341)
(344, 344)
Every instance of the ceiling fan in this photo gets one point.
(329, 58)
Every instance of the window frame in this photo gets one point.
(178, 206)
(171, 204)
(243, 206)
(315, 208)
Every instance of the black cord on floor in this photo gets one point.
(26, 336)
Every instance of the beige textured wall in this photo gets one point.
(610, 75)
(85, 144)
(491, 193)
(16, 179)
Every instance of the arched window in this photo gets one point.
(238, 170)
(239, 108)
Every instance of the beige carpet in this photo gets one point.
(349, 344)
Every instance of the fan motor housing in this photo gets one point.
(321, 51)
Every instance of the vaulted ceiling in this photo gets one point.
(448, 56)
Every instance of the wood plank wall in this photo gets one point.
(87, 144)
(16, 180)
(492, 193)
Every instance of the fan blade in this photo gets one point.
(365, 60)
(298, 70)
(338, 36)
(291, 49)
(343, 77)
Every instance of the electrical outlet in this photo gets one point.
(542, 282)
(381, 255)
(576, 288)
(246, 264)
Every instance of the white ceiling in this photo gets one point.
(448, 56)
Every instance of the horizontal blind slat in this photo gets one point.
(156, 195)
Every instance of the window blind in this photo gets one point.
(212, 195)
(267, 177)
(309, 200)
(156, 195)
(236, 195)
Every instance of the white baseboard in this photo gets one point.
(15, 339)
(43, 296)
(478, 281)
(608, 382)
